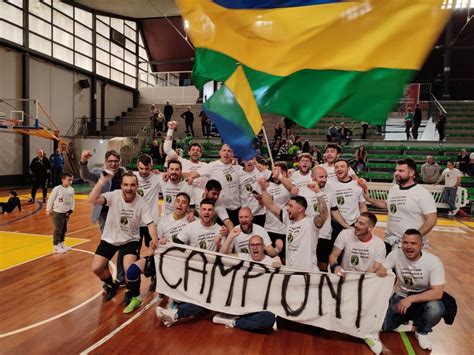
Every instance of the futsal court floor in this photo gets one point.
(51, 303)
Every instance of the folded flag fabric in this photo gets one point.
(304, 59)
(234, 111)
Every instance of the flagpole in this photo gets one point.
(268, 144)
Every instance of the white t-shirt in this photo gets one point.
(248, 183)
(124, 219)
(241, 241)
(358, 255)
(451, 177)
(348, 195)
(415, 276)
(406, 209)
(61, 199)
(246, 256)
(221, 212)
(331, 171)
(228, 176)
(313, 207)
(169, 227)
(170, 190)
(280, 196)
(187, 165)
(301, 241)
(149, 189)
(299, 179)
(199, 236)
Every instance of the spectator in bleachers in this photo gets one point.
(416, 121)
(430, 171)
(317, 155)
(470, 168)
(462, 161)
(275, 147)
(188, 117)
(278, 131)
(333, 132)
(360, 159)
(306, 147)
(452, 179)
(283, 151)
(365, 127)
(440, 125)
(344, 133)
(289, 127)
(168, 112)
(408, 122)
(205, 124)
(156, 152)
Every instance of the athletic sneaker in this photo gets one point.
(126, 298)
(408, 327)
(455, 212)
(168, 316)
(31, 200)
(375, 345)
(225, 319)
(423, 341)
(64, 246)
(57, 249)
(110, 292)
(134, 303)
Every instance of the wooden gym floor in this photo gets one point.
(52, 303)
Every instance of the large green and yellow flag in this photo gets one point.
(305, 58)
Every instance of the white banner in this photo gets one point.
(355, 304)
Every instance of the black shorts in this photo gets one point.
(108, 250)
(324, 249)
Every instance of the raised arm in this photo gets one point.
(376, 202)
(267, 199)
(167, 145)
(226, 248)
(95, 195)
(84, 171)
(323, 208)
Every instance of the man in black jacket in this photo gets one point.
(416, 122)
(40, 166)
(167, 112)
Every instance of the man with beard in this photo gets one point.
(127, 211)
(349, 195)
(409, 205)
(212, 192)
(302, 176)
(325, 240)
(168, 229)
(332, 152)
(204, 234)
(419, 291)
(99, 213)
(249, 189)
(194, 152)
(246, 230)
(280, 197)
(363, 252)
(173, 185)
(227, 173)
(302, 230)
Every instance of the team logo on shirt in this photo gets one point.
(354, 260)
(290, 238)
(393, 208)
(168, 198)
(248, 188)
(316, 208)
(140, 192)
(340, 200)
(244, 250)
(408, 281)
(228, 177)
(123, 220)
(202, 244)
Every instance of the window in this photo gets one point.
(39, 44)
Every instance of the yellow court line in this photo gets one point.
(441, 222)
(19, 248)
